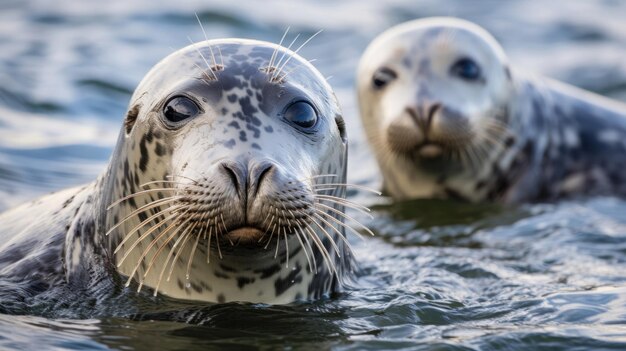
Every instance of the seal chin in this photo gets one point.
(245, 235)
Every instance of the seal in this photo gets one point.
(227, 183)
(447, 116)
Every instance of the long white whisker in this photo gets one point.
(143, 208)
(143, 236)
(343, 202)
(184, 234)
(138, 194)
(344, 215)
(147, 250)
(297, 50)
(156, 255)
(283, 57)
(330, 237)
(276, 49)
(129, 235)
(339, 233)
(210, 49)
(320, 246)
(361, 187)
(335, 220)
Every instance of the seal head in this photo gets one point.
(447, 117)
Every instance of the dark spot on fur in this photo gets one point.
(131, 118)
(159, 149)
(219, 274)
(269, 271)
(145, 157)
(294, 277)
(230, 144)
(243, 281)
(68, 201)
(254, 130)
(226, 268)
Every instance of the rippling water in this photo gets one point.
(438, 275)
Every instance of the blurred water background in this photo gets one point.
(438, 276)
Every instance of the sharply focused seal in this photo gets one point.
(448, 117)
(227, 184)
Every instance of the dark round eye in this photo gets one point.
(382, 77)
(179, 108)
(466, 68)
(302, 114)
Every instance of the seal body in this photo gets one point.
(226, 184)
(448, 117)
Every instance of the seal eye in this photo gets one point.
(466, 68)
(382, 77)
(302, 114)
(180, 108)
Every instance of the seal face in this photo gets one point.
(448, 117)
(227, 182)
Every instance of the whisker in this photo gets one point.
(208, 245)
(306, 239)
(276, 49)
(277, 239)
(156, 255)
(341, 224)
(203, 58)
(330, 208)
(339, 233)
(143, 208)
(297, 50)
(181, 176)
(193, 252)
(361, 187)
(330, 237)
(306, 253)
(286, 247)
(137, 194)
(129, 235)
(320, 246)
(283, 57)
(180, 250)
(217, 238)
(142, 237)
(207, 39)
(342, 201)
(147, 250)
(184, 234)
(167, 182)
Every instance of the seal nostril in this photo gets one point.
(232, 174)
(431, 113)
(415, 117)
(260, 173)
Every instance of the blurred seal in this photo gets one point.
(227, 184)
(448, 117)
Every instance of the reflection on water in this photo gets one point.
(439, 274)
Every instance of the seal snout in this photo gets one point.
(247, 180)
(413, 131)
(259, 198)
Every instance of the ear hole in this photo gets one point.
(131, 118)
(341, 124)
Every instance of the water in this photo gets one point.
(439, 275)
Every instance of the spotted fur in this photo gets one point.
(505, 136)
(242, 88)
